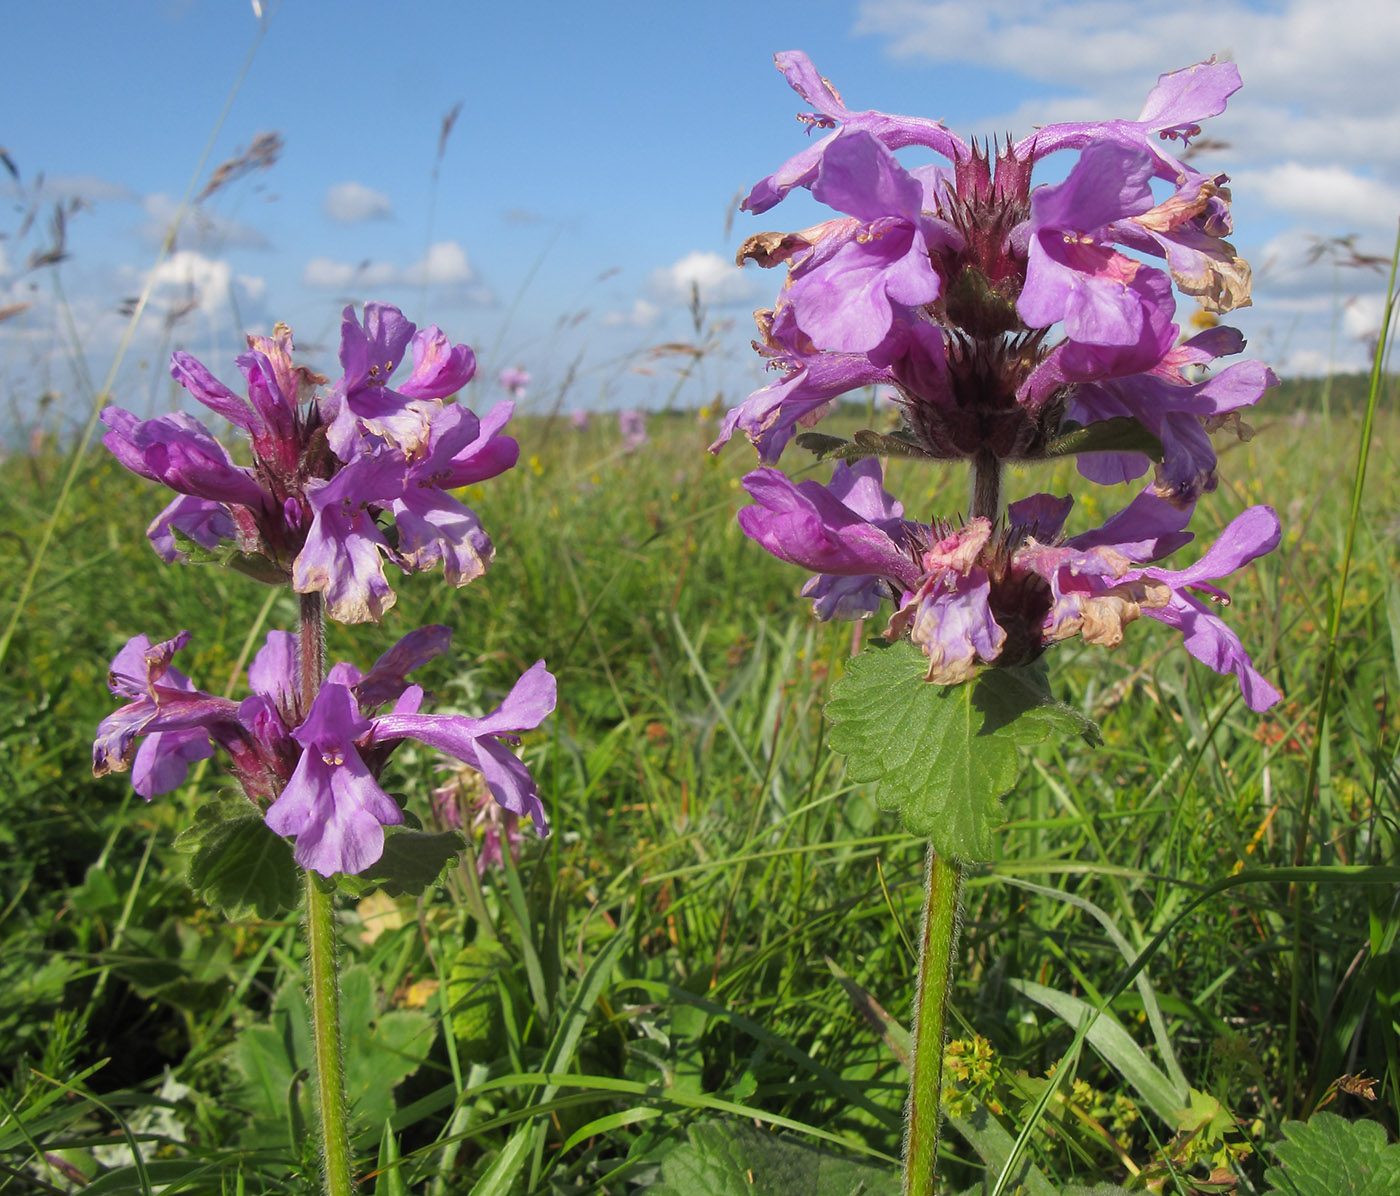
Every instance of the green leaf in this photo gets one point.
(1330, 1156)
(942, 756)
(1018, 702)
(473, 1002)
(1121, 435)
(236, 863)
(381, 1050)
(733, 1158)
(1116, 1045)
(413, 861)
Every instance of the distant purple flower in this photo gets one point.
(633, 426)
(331, 466)
(579, 419)
(314, 774)
(515, 380)
(465, 797)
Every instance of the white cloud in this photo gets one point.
(718, 280)
(330, 275)
(1362, 316)
(61, 188)
(187, 279)
(445, 264)
(1318, 74)
(641, 315)
(354, 203)
(199, 230)
(1326, 192)
(1309, 141)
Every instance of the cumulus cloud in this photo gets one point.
(444, 265)
(354, 203)
(191, 280)
(1317, 73)
(200, 231)
(640, 315)
(63, 188)
(1330, 192)
(327, 274)
(718, 280)
(1309, 142)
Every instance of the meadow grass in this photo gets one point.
(719, 926)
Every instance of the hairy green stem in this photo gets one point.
(325, 1033)
(332, 1113)
(938, 937)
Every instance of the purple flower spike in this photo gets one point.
(986, 302)
(1007, 324)
(331, 468)
(515, 380)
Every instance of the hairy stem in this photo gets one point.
(321, 948)
(938, 937)
(986, 486)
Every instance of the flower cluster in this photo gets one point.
(1009, 324)
(343, 479)
(313, 772)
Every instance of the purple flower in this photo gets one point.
(850, 534)
(331, 466)
(315, 773)
(362, 405)
(989, 306)
(633, 426)
(1008, 324)
(981, 595)
(515, 380)
(478, 742)
(165, 708)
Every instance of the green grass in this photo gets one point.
(664, 956)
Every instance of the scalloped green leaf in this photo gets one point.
(236, 863)
(734, 1158)
(1122, 434)
(413, 860)
(942, 756)
(1330, 1156)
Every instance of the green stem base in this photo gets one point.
(938, 938)
(325, 1032)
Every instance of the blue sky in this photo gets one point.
(592, 173)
